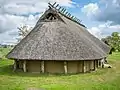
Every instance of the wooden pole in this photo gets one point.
(24, 66)
(90, 65)
(66, 13)
(42, 66)
(64, 10)
(83, 66)
(65, 67)
(94, 64)
(57, 5)
(59, 8)
(15, 65)
(102, 63)
(97, 64)
(54, 4)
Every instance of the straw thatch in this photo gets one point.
(59, 38)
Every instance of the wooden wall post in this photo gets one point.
(42, 66)
(102, 62)
(95, 65)
(15, 65)
(98, 63)
(89, 66)
(83, 66)
(65, 67)
(24, 66)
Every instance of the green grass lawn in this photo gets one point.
(102, 79)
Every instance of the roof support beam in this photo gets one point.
(24, 66)
(43, 66)
(65, 67)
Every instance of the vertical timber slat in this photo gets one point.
(24, 66)
(15, 65)
(43, 66)
(65, 67)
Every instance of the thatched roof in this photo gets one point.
(59, 38)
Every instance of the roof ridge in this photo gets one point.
(66, 14)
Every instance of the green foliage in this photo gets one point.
(113, 41)
(4, 51)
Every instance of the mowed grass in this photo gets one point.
(102, 79)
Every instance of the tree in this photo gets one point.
(113, 41)
(23, 31)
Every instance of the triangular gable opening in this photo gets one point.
(51, 15)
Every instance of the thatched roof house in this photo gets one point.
(58, 44)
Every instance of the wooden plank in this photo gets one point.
(65, 67)
(24, 66)
(43, 66)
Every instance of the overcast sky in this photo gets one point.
(102, 17)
